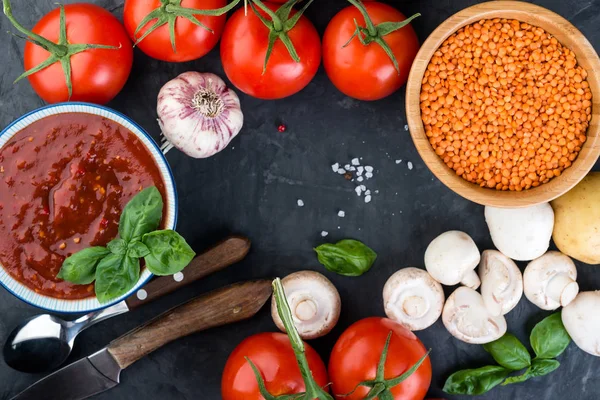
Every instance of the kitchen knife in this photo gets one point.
(101, 371)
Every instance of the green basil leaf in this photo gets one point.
(117, 246)
(169, 252)
(80, 268)
(539, 367)
(115, 276)
(475, 381)
(518, 378)
(141, 215)
(509, 352)
(346, 257)
(549, 338)
(137, 249)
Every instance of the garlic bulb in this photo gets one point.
(198, 114)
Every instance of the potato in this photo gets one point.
(577, 220)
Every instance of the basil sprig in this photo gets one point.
(116, 267)
(347, 257)
(549, 339)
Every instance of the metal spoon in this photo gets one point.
(44, 342)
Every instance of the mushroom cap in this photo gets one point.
(413, 298)
(501, 282)
(467, 319)
(314, 301)
(521, 233)
(451, 258)
(549, 281)
(582, 320)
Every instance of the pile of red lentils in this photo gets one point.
(505, 105)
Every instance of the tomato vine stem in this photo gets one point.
(279, 25)
(168, 13)
(59, 52)
(380, 387)
(375, 33)
(313, 390)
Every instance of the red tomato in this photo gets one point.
(98, 75)
(273, 356)
(243, 51)
(191, 41)
(356, 354)
(367, 72)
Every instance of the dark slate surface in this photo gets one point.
(252, 187)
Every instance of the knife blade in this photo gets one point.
(101, 370)
(80, 380)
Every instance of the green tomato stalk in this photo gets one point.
(59, 52)
(376, 33)
(313, 390)
(279, 25)
(169, 11)
(380, 387)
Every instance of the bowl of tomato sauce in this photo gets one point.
(66, 173)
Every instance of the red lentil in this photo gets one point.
(505, 105)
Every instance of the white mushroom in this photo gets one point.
(582, 320)
(501, 282)
(522, 234)
(314, 302)
(451, 259)
(413, 298)
(467, 319)
(549, 281)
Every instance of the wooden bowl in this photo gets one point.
(566, 34)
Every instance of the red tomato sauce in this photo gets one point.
(64, 181)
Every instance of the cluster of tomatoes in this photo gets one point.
(354, 360)
(269, 50)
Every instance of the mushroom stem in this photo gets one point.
(470, 279)
(415, 306)
(305, 310)
(562, 289)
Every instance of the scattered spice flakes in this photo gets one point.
(356, 172)
(300, 203)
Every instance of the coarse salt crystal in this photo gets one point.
(368, 192)
(360, 179)
(347, 167)
(369, 175)
(363, 187)
(360, 170)
(324, 233)
(341, 171)
(377, 191)
(355, 161)
(335, 167)
(405, 127)
(358, 190)
(410, 165)
(338, 227)
(368, 168)
(300, 203)
(398, 161)
(341, 214)
(367, 199)
(351, 168)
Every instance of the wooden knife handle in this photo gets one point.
(227, 252)
(220, 307)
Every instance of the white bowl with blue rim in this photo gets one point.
(26, 294)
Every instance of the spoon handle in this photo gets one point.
(220, 307)
(227, 252)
